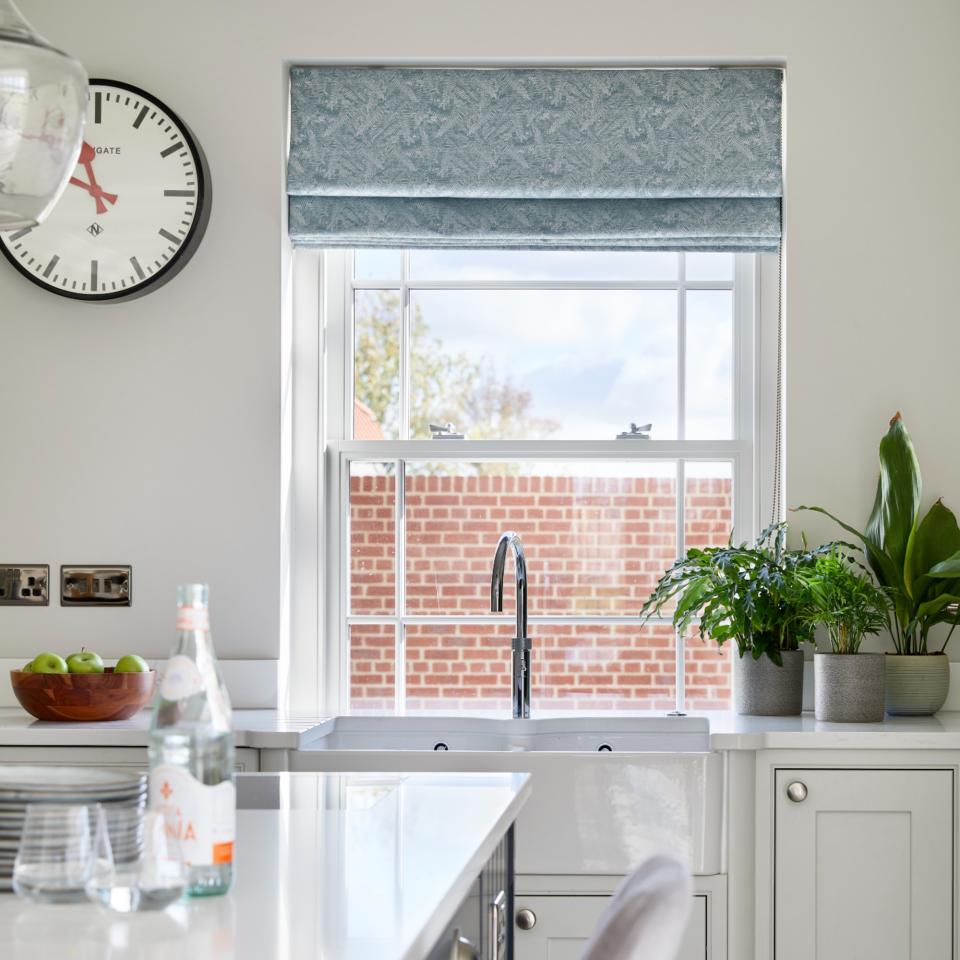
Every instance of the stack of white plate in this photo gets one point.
(22, 785)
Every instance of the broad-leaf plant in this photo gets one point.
(916, 561)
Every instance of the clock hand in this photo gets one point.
(87, 155)
(95, 190)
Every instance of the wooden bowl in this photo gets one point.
(83, 696)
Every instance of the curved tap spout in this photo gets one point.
(520, 647)
(510, 539)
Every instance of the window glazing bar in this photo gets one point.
(544, 449)
(542, 284)
(678, 639)
(544, 619)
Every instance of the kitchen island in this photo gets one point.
(338, 867)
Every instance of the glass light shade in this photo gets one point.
(43, 103)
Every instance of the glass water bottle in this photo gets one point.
(191, 749)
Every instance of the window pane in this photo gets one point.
(372, 667)
(578, 666)
(544, 364)
(597, 535)
(709, 266)
(709, 365)
(373, 264)
(707, 503)
(600, 667)
(373, 488)
(708, 520)
(467, 265)
(376, 404)
(708, 673)
(454, 665)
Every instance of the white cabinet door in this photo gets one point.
(864, 865)
(564, 925)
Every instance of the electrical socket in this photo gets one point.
(26, 585)
(96, 586)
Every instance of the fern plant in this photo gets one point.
(753, 594)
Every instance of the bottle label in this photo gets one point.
(202, 817)
(181, 679)
(193, 618)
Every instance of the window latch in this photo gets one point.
(636, 433)
(444, 431)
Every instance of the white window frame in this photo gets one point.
(323, 451)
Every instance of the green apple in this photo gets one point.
(27, 668)
(131, 663)
(48, 663)
(86, 661)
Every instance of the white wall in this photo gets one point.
(190, 488)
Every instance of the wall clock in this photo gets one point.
(134, 210)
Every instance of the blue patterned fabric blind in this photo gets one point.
(678, 159)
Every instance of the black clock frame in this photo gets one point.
(186, 249)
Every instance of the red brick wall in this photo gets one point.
(595, 546)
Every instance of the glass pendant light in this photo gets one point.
(43, 102)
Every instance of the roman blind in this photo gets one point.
(660, 159)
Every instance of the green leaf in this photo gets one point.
(946, 569)
(936, 540)
(883, 566)
(897, 504)
(689, 604)
(930, 612)
(949, 615)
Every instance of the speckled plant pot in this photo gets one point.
(849, 688)
(917, 686)
(762, 689)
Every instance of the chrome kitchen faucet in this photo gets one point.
(520, 647)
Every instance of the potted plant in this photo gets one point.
(849, 685)
(917, 562)
(750, 594)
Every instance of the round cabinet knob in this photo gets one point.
(526, 919)
(797, 791)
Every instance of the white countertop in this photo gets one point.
(731, 732)
(351, 867)
(254, 728)
(268, 729)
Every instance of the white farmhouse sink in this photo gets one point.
(564, 734)
(658, 789)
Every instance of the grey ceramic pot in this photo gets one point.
(762, 689)
(917, 685)
(849, 688)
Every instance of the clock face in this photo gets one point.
(134, 210)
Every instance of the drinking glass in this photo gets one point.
(138, 863)
(57, 851)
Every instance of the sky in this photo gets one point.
(593, 360)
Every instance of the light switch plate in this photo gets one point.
(96, 586)
(24, 585)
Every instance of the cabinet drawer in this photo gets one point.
(564, 924)
(863, 864)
